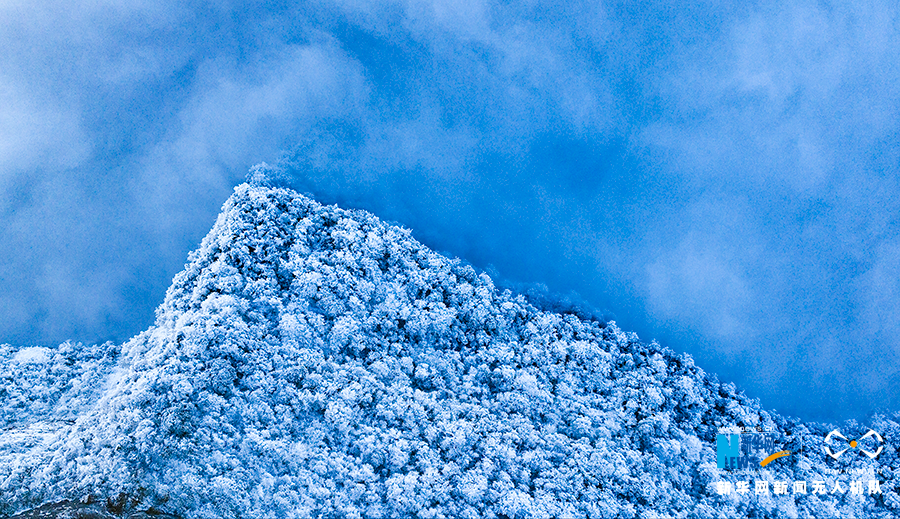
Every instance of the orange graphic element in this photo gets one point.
(853, 443)
(770, 459)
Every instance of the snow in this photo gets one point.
(32, 355)
(315, 361)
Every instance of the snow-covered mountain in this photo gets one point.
(315, 361)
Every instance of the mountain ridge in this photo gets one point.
(312, 360)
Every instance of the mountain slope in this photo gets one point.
(315, 361)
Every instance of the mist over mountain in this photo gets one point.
(316, 361)
(719, 176)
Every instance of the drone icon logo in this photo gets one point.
(853, 444)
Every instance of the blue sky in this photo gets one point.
(722, 178)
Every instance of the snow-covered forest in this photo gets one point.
(312, 361)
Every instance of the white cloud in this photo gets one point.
(695, 283)
(238, 116)
(37, 132)
(785, 98)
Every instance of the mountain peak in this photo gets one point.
(315, 361)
